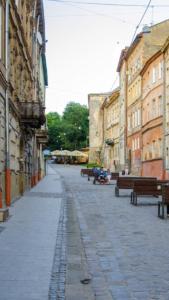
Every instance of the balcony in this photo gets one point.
(42, 136)
(109, 142)
(32, 114)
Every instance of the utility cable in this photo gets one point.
(95, 13)
(108, 4)
(147, 7)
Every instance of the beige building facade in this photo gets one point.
(145, 45)
(142, 130)
(22, 101)
(96, 125)
(165, 51)
(152, 116)
(110, 148)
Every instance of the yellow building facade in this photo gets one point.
(145, 45)
(22, 102)
(110, 147)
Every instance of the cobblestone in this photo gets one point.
(126, 247)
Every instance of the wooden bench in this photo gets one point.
(145, 188)
(85, 172)
(114, 176)
(126, 182)
(165, 202)
(90, 174)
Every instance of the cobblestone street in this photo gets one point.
(68, 239)
(125, 247)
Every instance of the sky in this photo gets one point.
(84, 45)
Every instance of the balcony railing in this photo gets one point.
(42, 136)
(109, 142)
(32, 114)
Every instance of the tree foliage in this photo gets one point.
(71, 130)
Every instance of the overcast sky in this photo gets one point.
(84, 44)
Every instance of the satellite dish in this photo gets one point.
(39, 38)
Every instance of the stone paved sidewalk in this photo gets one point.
(27, 242)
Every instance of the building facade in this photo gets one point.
(110, 146)
(165, 52)
(152, 116)
(96, 124)
(22, 101)
(122, 70)
(145, 45)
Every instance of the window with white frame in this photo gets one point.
(139, 117)
(160, 70)
(129, 123)
(138, 143)
(153, 108)
(154, 75)
(135, 119)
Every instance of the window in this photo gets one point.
(148, 113)
(160, 70)
(129, 123)
(153, 111)
(135, 119)
(154, 75)
(139, 117)
(138, 143)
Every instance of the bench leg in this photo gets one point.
(94, 181)
(131, 198)
(159, 209)
(162, 211)
(134, 199)
(116, 191)
(88, 178)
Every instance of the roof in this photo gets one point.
(129, 50)
(165, 46)
(121, 59)
(113, 96)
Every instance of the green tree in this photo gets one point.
(76, 125)
(71, 130)
(54, 127)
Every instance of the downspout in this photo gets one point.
(7, 150)
(126, 155)
(34, 148)
(164, 117)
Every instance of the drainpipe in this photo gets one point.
(7, 150)
(164, 117)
